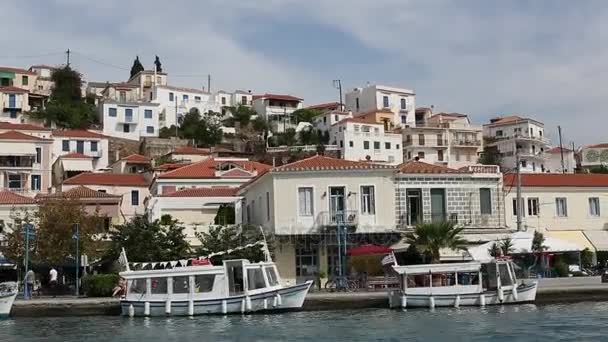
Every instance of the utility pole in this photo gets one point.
(518, 190)
(561, 148)
(176, 116)
(209, 83)
(338, 85)
(76, 236)
(28, 231)
(68, 55)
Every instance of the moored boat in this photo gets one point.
(8, 293)
(460, 284)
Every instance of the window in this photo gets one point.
(385, 103)
(341, 143)
(533, 206)
(376, 130)
(561, 207)
(134, 197)
(148, 113)
(128, 114)
(325, 120)
(368, 202)
(397, 146)
(594, 206)
(123, 96)
(403, 119)
(356, 128)
(197, 99)
(421, 139)
(267, 206)
(24, 80)
(112, 112)
(65, 145)
(181, 285)
(351, 144)
(499, 133)
(485, 201)
(203, 283)
(524, 163)
(150, 129)
(223, 100)
(272, 276)
(255, 279)
(158, 285)
(185, 98)
(440, 155)
(307, 261)
(35, 182)
(457, 156)
(366, 145)
(171, 97)
(376, 145)
(421, 155)
(305, 201)
(93, 146)
(243, 99)
(336, 118)
(387, 145)
(125, 128)
(403, 104)
(38, 155)
(357, 104)
(521, 204)
(14, 181)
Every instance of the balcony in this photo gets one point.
(128, 119)
(427, 143)
(333, 219)
(524, 137)
(17, 162)
(466, 143)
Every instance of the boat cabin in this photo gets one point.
(233, 278)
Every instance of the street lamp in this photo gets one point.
(28, 232)
(76, 236)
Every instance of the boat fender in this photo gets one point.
(248, 303)
(390, 299)
(279, 300)
(404, 301)
(131, 310)
(482, 300)
(514, 292)
(457, 301)
(501, 294)
(147, 309)
(243, 305)
(168, 307)
(265, 303)
(274, 302)
(191, 308)
(224, 307)
(431, 302)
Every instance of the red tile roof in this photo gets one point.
(203, 192)
(506, 119)
(558, 180)
(319, 163)
(208, 167)
(17, 70)
(605, 145)
(452, 115)
(110, 179)
(171, 166)
(75, 155)
(9, 197)
(191, 150)
(368, 121)
(14, 135)
(186, 90)
(414, 166)
(10, 89)
(277, 97)
(329, 105)
(77, 133)
(558, 150)
(136, 159)
(21, 127)
(80, 192)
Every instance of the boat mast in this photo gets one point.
(518, 188)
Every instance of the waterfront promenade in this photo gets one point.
(554, 290)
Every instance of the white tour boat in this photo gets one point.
(8, 293)
(188, 289)
(460, 284)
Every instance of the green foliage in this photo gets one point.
(225, 215)
(432, 237)
(305, 115)
(203, 130)
(242, 115)
(506, 246)
(495, 250)
(538, 242)
(223, 238)
(260, 125)
(137, 67)
(411, 256)
(599, 169)
(586, 258)
(99, 285)
(561, 268)
(490, 156)
(146, 240)
(66, 107)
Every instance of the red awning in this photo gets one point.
(368, 249)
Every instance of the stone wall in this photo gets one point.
(156, 147)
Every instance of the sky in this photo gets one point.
(545, 59)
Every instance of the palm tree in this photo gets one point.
(506, 246)
(432, 237)
(494, 250)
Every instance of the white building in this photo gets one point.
(447, 139)
(133, 163)
(401, 102)
(594, 156)
(175, 102)
(14, 101)
(325, 120)
(25, 163)
(277, 110)
(88, 143)
(553, 160)
(360, 139)
(145, 81)
(516, 133)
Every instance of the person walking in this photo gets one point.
(30, 279)
(53, 281)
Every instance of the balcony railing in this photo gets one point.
(523, 137)
(481, 169)
(468, 143)
(331, 218)
(16, 162)
(302, 148)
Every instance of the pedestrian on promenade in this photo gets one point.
(53, 281)
(30, 278)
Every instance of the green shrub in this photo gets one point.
(99, 285)
(561, 269)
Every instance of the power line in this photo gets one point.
(98, 61)
(34, 56)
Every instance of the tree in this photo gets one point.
(308, 136)
(260, 125)
(137, 67)
(146, 240)
(495, 250)
(203, 130)
(223, 238)
(490, 156)
(506, 246)
(54, 222)
(432, 237)
(242, 115)
(66, 107)
(287, 138)
(305, 115)
(598, 169)
(538, 242)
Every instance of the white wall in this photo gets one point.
(200, 100)
(553, 162)
(372, 98)
(113, 126)
(100, 157)
(345, 133)
(127, 209)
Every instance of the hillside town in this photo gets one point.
(373, 162)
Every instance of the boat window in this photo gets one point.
(488, 272)
(137, 286)
(505, 279)
(255, 279)
(444, 279)
(158, 285)
(180, 284)
(271, 274)
(418, 280)
(468, 278)
(203, 283)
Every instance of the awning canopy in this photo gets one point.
(574, 236)
(77, 164)
(17, 149)
(368, 249)
(598, 238)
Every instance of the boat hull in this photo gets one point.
(525, 294)
(6, 303)
(287, 298)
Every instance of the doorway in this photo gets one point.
(236, 283)
(414, 206)
(337, 205)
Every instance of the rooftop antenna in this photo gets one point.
(561, 148)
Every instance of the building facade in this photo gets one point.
(554, 157)
(25, 163)
(86, 142)
(594, 156)
(175, 102)
(401, 102)
(277, 110)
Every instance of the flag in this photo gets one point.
(388, 259)
(122, 260)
